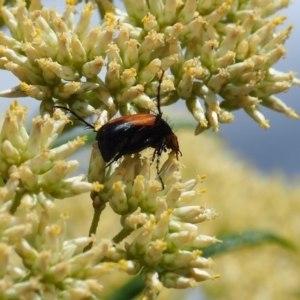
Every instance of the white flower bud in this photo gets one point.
(113, 76)
(118, 201)
(103, 40)
(162, 226)
(257, 116)
(22, 73)
(129, 266)
(93, 67)
(151, 42)
(201, 241)
(140, 244)
(10, 20)
(173, 280)
(83, 24)
(276, 104)
(63, 72)
(39, 92)
(150, 23)
(128, 94)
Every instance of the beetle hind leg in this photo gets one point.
(157, 152)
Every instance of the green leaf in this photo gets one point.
(248, 238)
(129, 290)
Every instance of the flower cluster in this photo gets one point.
(166, 250)
(168, 240)
(33, 173)
(31, 170)
(212, 49)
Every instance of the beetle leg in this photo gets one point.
(158, 151)
(153, 156)
(118, 156)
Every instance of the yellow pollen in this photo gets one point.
(110, 18)
(64, 215)
(279, 20)
(70, 2)
(54, 230)
(80, 140)
(197, 253)
(88, 8)
(201, 177)
(62, 165)
(38, 32)
(159, 245)
(148, 18)
(150, 225)
(24, 87)
(97, 186)
(118, 186)
(109, 265)
(265, 124)
(140, 179)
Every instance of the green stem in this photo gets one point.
(122, 235)
(98, 208)
(103, 7)
(16, 203)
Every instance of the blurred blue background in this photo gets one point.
(275, 149)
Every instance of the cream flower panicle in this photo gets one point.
(214, 50)
(165, 250)
(168, 241)
(33, 173)
(31, 169)
(53, 267)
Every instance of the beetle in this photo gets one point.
(131, 134)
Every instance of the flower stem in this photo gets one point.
(103, 7)
(15, 204)
(98, 206)
(122, 235)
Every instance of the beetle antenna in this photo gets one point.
(74, 114)
(158, 92)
